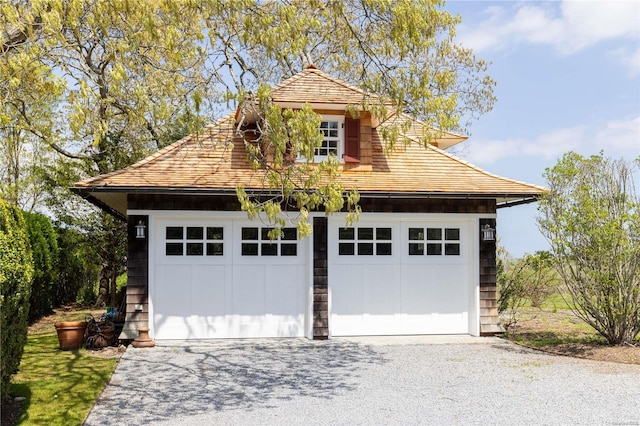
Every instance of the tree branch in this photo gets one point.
(14, 36)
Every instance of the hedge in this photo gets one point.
(44, 248)
(16, 274)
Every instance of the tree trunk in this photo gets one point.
(103, 291)
(114, 291)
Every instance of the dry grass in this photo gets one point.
(561, 332)
(64, 313)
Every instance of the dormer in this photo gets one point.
(346, 124)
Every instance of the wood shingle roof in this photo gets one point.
(215, 161)
(317, 88)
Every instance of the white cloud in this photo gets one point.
(569, 28)
(620, 137)
(617, 138)
(588, 22)
(557, 142)
(481, 152)
(629, 58)
(548, 145)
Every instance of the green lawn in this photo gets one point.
(557, 302)
(60, 386)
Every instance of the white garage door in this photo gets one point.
(225, 278)
(400, 277)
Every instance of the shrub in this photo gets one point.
(44, 247)
(87, 295)
(591, 218)
(510, 279)
(16, 274)
(531, 279)
(78, 268)
(543, 280)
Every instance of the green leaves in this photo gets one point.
(591, 217)
(281, 145)
(44, 247)
(401, 52)
(123, 69)
(113, 78)
(16, 275)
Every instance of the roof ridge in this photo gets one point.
(309, 70)
(159, 153)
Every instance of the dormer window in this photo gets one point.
(341, 137)
(332, 129)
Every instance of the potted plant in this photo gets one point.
(70, 334)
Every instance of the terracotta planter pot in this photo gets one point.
(143, 340)
(71, 334)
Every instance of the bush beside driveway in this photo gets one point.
(343, 381)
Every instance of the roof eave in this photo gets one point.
(89, 193)
(511, 199)
(518, 202)
(86, 193)
(219, 191)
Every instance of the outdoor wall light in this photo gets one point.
(488, 233)
(140, 227)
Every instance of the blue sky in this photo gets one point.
(568, 79)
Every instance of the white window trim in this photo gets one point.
(374, 241)
(340, 154)
(442, 241)
(278, 243)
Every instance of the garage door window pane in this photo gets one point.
(434, 249)
(383, 233)
(289, 250)
(346, 234)
(174, 232)
(289, 234)
(249, 249)
(194, 249)
(215, 233)
(214, 249)
(174, 249)
(365, 233)
(452, 249)
(416, 249)
(383, 249)
(265, 234)
(269, 249)
(346, 249)
(249, 233)
(416, 234)
(452, 234)
(365, 249)
(194, 233)
(434, 234)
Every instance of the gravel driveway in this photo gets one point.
(364, 381)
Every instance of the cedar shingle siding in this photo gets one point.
(320, 284)
(489, 321)
(137, 280)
